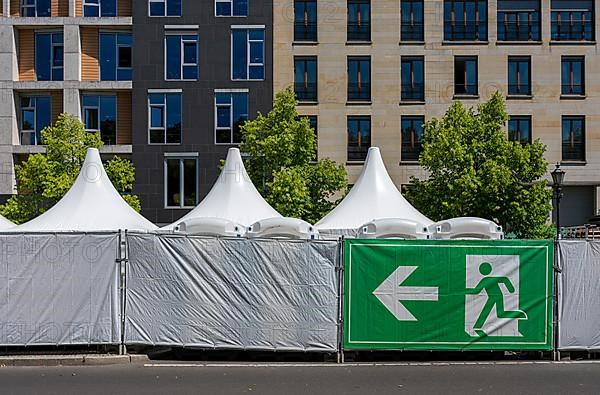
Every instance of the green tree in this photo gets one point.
(281, 149)
(474, 170)
(45, 178)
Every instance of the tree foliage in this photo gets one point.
(281, 148)
(45, 178)
(474, 170)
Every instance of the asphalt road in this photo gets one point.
(562, 378)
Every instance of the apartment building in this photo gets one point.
(59, 56)
(201, 68)
(371, 72)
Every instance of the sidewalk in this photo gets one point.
(70, 360)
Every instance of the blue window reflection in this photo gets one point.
(36, 113)
(231, 111)
(115, 57)
(164, 118)
(35, 8)
(412, 72)
(231, 7)
(181, 52)
(97, 8)
(100, 116)
(248, 54)
(164, 7)
(359, 137)
(49, 56)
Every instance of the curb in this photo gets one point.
(70, 360)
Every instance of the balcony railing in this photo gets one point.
(412, 92)
(412, 32)
(572, 89)
(573, 151)
(518, 31)
(572, 26)
(519, 89)
(306, 91)
(305, 31)
(465, 31)
(359, 92)
(466, 89)
(358, 152)
(410, 153)
(359, 31)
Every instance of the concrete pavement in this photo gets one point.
(188, 378)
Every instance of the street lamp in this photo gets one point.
(558, 176)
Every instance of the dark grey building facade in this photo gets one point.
(201, 67)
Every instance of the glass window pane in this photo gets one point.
(108, 119)
(223, 136)
(173, 7)
(173, 186)
(240, 114)
(223, 8)
(223, 116)
(173, 118)
(256, 52)
(189, 179)
(91, 118)
(240, 7)
(157, 136)
(43, 51)
(124, 54)
(157, 9)
(156, 98)
(157, 119)
(173, 55)
(28, 120)
(109, 8)
(239, 53)
(107, 54)
(190, 53)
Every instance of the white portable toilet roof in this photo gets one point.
(233, 197)
(92, 204)
(374, 196)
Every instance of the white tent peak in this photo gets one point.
(374, 196)
(233, 197)
(6, 224)
(92, 204)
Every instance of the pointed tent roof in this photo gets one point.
(233, 197)
(92, 204)
(5, 224)
(374, 196)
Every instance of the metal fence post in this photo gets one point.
(556, 272)
(340, 270)
(122, 286)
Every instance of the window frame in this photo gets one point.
(181, 158)
(116, 33)
(421, 32)
(411, 60)
(182, 63)
(231, 15)
(360, 38)
(51, 61)
(248, 57)
(412, 119)
(231, 112)
(479, 24)
(165, 108)
(570, 31)
(518, 119)
(358, 118)
(99, 114)
(166, 8)
(305, 59)
(466, 84)
(360, 60)
(519, 59)
(504, 22)
(33, 108)
(571, 60)
(308, 25)
(572, 118)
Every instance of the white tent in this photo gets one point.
(374, 196)
(6, 224)
(92, 204)
(233, 197)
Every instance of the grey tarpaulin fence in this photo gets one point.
(579, 295)
(232, 293)
(59, 289)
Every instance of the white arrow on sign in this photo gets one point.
(391, 293)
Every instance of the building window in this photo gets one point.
(181, 182)
(164, 118)
(115, 56)
(359, 20)
(359, 137)
(573, 138)
(181, 54)
(573, 75)
(96, 8)
(305, 78)
(465, 20)
(100, 116)
(519, 20)
(519, 129)
(231, 111)
(231, 7)
(572, 20)
(164, 7)
(519, 75)
(411, 20)
(305, 20)
(36, 112)
(412, 137)
(248, 54)
(49, 59)
(465, 76)
(359, 78)
(35, 8)
(412, 78)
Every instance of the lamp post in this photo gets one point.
(558, 176)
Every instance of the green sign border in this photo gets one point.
(548, 245)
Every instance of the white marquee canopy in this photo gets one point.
(92, 204)
(373, 197)
(5, 224)
(233, 197)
